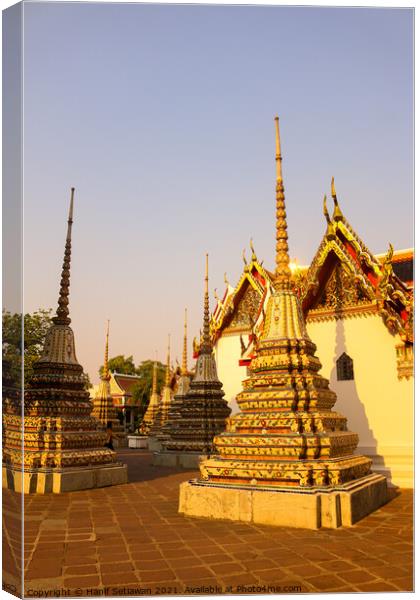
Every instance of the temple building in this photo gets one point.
(286, 458)
(103, 405)
(358, 309)
(202, 410)
(57, 445)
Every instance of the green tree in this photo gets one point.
(120, 364)
(142, 390)
(35, 327)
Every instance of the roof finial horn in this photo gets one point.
(337, 214)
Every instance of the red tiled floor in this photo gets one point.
(131, 537)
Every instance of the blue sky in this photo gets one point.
(161, 116)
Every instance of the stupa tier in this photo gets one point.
(103, 405)
(286, 458)
(57, 445)
(203, 412)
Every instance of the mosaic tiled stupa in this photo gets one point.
(286, 458)
(203, 412)
(150, 415)
(182, 387)
(157, 432)
(61, 446)
(103, 405)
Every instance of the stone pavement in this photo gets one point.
(130, 539)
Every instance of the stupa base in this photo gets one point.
(137, 441)
(182, 460)
(55, 481)
(309, 508)
(154, 444)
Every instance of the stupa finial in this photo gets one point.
(184, 368)
(282, 273)
(206, 345)
(278, 151)
(168, 363)
(106, 374)
(62, 314)
(337, 214)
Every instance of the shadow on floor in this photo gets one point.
(140, 467)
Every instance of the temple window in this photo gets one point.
(345, 368)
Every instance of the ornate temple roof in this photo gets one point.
(361, 282)
(384, 284)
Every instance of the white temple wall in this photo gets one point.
(378, 406)
(231, 374)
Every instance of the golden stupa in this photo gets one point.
(103, 405)
(286, 458)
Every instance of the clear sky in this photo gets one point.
(161, 116)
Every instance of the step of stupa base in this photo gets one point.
(182, 460)
(154, 444)
(305, 508)
(44, 481)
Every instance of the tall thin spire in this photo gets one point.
(62, 314)
(184, 368)
(282, 273)
(106, 374)
(154, 381)
(168, 363)
(206, 345)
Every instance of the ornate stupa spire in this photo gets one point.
(149, 417)
(106, 374)
(168, 363)
(62, 315)
(283, 273)
(206, 347)
(60, 446)
(184, 367)
(154, 380)
(286, 437)
(202, 411)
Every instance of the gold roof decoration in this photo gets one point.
(255, 277)
(369, 285)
